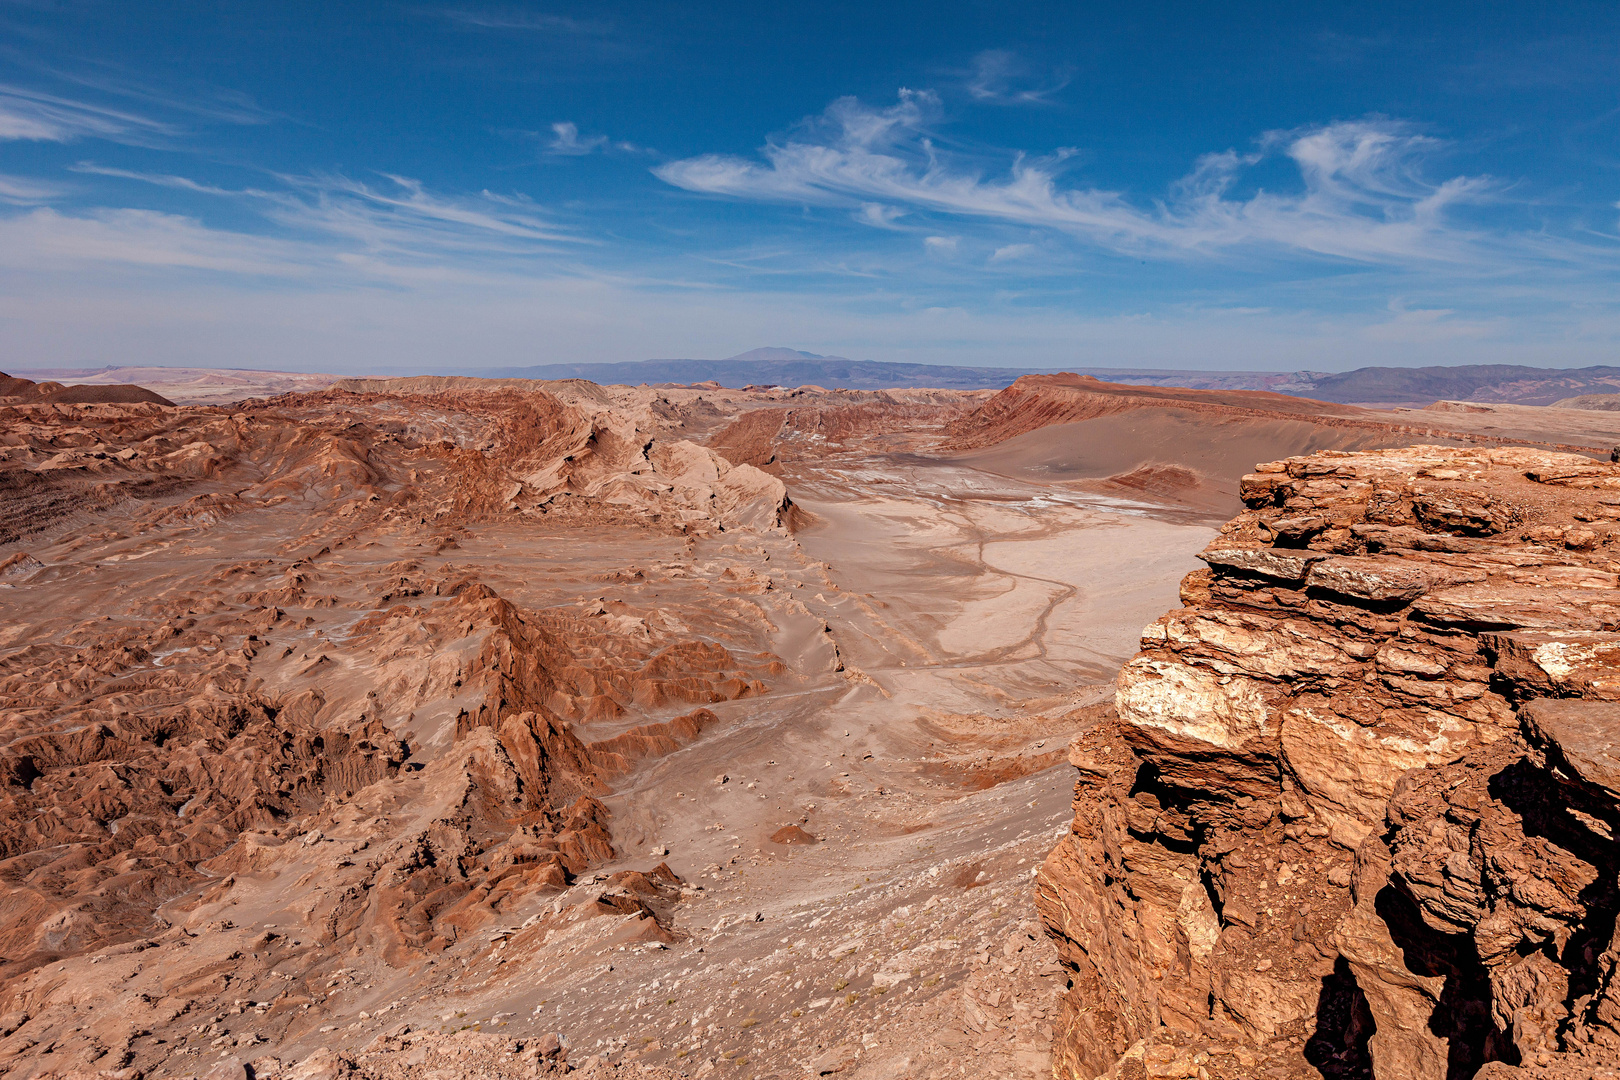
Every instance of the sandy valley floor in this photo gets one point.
(942, 634)
(966, 610)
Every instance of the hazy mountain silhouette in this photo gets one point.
(779, 367)
(1370, 385)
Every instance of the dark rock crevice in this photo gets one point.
(1338, 1049)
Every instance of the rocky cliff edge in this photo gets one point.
(1357, 813)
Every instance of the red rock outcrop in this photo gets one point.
(1037, 401)
(1300, 424)
(1356, 815)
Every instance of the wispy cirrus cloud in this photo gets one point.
(1423, 326)
(355, 275)
(1010, 252)
(404, 216)
(515, 19)
(193, 100)
(567, 141)
(181, 183)
(45, 238)
(315, 225)
(1001, 77)
(26, 191)
(847, 151)
(1363, 193)
(30, 115)
(879, 216)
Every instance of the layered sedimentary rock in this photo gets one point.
(1037, 401)
(1356, 814)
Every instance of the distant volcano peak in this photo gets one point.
(777, 352)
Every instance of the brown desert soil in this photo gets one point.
(442, 728)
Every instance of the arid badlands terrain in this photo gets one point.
(443, 728)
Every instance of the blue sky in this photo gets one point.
(405, 187)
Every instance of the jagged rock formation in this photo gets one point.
(292, 714)
(454, 457)
(771, 437)
(1356, 815)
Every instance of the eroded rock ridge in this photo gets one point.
(1356, 816)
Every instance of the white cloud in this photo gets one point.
(406, 217)
(1011, 251)
(383, 272)
(183, 183)
(326, 229)
(1000, 77)
(848, 152)
(878, 215)
(44, 238)
(1425, 326)
(524, 20)
(22, 191)
(201, 101)
(1363, 195)
(401, 219)
(568, 142)
(27, 115)
(391, 275)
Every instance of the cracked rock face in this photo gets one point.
(1356, 815)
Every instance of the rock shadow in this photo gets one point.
(1344, 1025)
(1463, 1015)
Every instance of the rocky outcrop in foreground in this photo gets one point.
(1357, 815)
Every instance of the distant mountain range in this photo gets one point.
(791, 367)
(777, 367)
(1510, 383)
(1369, 385)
